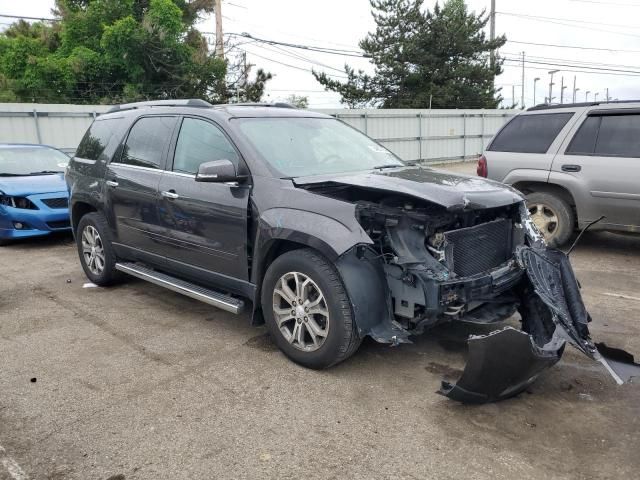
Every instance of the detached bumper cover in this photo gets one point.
(505, 362)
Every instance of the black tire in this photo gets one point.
(4, 242)
(561, 210)
(342, 339)
(109, 274)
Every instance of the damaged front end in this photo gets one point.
(429, 265)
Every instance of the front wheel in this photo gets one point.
(307, 310)
(95, 250)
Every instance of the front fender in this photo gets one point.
(323, 233)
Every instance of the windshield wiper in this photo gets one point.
(45, 172)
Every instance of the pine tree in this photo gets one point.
(438, 57)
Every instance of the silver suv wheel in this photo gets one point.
(544, 218)
(92, 250)
(300, 311)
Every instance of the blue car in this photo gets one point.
(34, 199)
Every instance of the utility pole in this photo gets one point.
(562, 88)
(219, 40)
(595, 96)
(586, 95)
(575, 92)
(513, 96)
(608, 98)
(492, 31)
(574, 89)
(551, 84)
(535, 80)
(522, 83)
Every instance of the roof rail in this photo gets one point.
(258, 104)
(191, 102)
(546, 106)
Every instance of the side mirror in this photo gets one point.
(217, 171)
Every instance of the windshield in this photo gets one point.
(313, 146)
(19, 160)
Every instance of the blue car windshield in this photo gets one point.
(31, 160)
(298, 146)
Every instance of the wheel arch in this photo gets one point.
(561, 192)
(78, 210)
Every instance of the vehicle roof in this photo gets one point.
(618, 104)
(216, 111)
(25, 145)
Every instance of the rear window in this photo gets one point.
(96, 139)
(619, 136)
(530, 133)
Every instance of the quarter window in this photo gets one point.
(530, 133)
(96, 139)
(147, 142)
(200, 142)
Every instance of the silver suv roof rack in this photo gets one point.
(190, 102)
(546, 106)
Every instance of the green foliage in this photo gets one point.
(439, 56)
(110, 51)
(298, 101)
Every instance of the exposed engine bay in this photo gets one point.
(430, 264)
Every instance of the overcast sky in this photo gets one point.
(340, 24)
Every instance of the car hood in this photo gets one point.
(33, 184)
(454, 192)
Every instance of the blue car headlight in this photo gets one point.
(17, 202)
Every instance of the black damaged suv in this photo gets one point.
(327, 235)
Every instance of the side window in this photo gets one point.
(584, 141)
(200, 141)
(147, 141)
(96, 139)
(530, 133)
(619, 136)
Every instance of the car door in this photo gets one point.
(132, 179)
(604, 157)
(205, 224)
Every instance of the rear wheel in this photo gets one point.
(307, 310)
(553, 217)
(94, 248)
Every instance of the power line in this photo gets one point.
(571, 20)
(574, 62)
(22, 17)
(282, 51)
(573, 46)
(608, 3)
(516, 63)
(564, 23)
(308, 70)
(333, 51)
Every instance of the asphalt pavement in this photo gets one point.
(136, 382)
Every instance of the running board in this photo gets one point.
(217, 299)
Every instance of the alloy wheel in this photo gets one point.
(300, 311)
(92, 250)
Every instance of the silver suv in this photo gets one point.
(575, 163)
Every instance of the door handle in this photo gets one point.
(111, 183)
(571, 168)
(170, 194)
